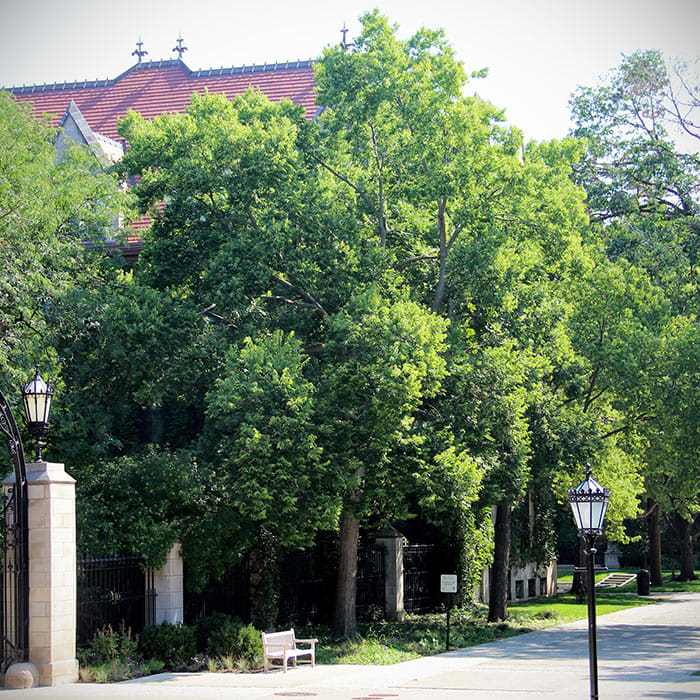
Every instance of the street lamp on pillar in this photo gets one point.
(589, 503)
(37, 396)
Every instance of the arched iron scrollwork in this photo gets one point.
(14, 605)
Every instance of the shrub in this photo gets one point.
(238, 641)
(228, 663)
(243, 665)
(108, 645)
(86, 674)
(207, 624)
(250, 648)
(223, 641)
(102, 673)
(175, 645)
(113, 671)
(155, 665)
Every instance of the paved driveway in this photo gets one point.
(647, 652)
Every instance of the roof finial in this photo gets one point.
(139, 51)
(180, 48)
(344, 42)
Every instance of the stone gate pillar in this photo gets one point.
(52, 572)
(392, 541)
(168, 584)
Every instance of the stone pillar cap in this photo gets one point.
(389, 532)
(38, 472)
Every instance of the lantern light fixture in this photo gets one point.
(37, 396)
(589, 503)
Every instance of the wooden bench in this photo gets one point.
(283, 646)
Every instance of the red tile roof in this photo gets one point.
(156, 87)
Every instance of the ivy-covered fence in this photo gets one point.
(421, 577)
(119, 590)
(307, 583)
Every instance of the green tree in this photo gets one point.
(48, 210)
(271, 473)
(142, 503)
(643, 193)
(238, 212)
(679, 393)
(256, 229)
(136, 365)
(405, 213)
(420, 162)
(381, 361)
(480, 229)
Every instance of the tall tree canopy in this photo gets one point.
(47, 210)
(399, 309)
(477, 227)
(643, 197)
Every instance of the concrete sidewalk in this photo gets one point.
(645, 652)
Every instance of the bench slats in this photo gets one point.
(282, 645)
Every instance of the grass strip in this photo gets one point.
(670, 584)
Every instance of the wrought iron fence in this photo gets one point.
(421, 578)
(230, 594)
(370, 597)
(14, 548)
(307, 584)
(113, 591)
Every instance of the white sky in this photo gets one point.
(537, 51)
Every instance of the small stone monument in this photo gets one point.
(612, 555)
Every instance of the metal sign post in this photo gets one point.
(448, 585)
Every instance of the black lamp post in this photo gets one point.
(589, 503)
(37, 396)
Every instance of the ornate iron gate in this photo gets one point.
(14, 583)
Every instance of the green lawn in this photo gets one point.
(424, 635)
(568, 578)
(564, 608)
(669, 585)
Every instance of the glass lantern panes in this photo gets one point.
(589, 503)
(37, 397)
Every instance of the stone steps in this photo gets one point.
(616, 580)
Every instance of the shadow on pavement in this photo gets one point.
(622, 642)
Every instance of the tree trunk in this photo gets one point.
(264, 582)
(686, 542)
(654, 533)
(498, 596)
(345, 624)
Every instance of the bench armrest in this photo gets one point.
(306, 641)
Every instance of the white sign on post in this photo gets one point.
(448, 583)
